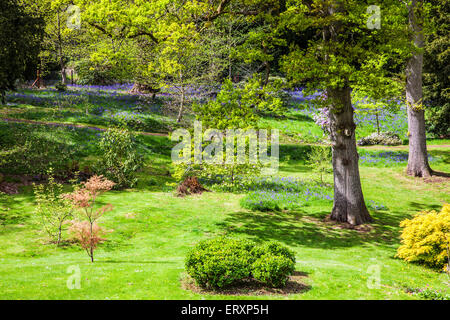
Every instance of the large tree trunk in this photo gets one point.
(349, 205)
(418, 157)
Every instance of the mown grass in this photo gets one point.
(152, 231)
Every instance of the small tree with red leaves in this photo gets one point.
(87, 231)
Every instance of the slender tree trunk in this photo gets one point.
(59, 236)
(266, 66)
(60, 52)
(418, 165)
(2, 97)
(180, 112)
(349, 205)
(378, 122)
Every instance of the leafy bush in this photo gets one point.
(85, 228)
(52, 207)
(237, 107)
(61, 87)
(383, 138)
(272, 270)
(277, 249)
(437, 120)
(91, 73)
(119, 157)
(429, 294)
(29, 150)
(221, 262)
(426, 237)
(320, 160)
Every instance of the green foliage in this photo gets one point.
(4, 209)
(429, 294)
(34, 151)
(426, 238)
(120, 159)
(276, 249)
(97, 73)
(272, 269)
(53, 209)
(237, 107)
(221, 262)
(438, 119)
(320, 160)
(61, 87)
(20, 36)
(347, 54)
(382, 138)
(436, 82)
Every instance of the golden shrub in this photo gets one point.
(426, 237)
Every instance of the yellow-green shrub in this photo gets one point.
(425, 238)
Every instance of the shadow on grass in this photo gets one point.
(137, 262)
(443, 154)
(11, 209)
(421, 207)
(294, 228)
(313, 230)
(250, 287)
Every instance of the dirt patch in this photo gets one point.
(15, 182)
(251, 287)
(9, 188)
(438, 180)
(363, 228)
(190, 185)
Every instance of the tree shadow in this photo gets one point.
(292, 228)
(441, 174)
(11, 210)
(421, 207)
(315, 230)
(137, 261)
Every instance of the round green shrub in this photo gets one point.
(273, 270)
(221, 262)
(277, 249)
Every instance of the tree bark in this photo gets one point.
(349, 205)
(60, 53)
(418, 165)
(2, 97)
(180, 112)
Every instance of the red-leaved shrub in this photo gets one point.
(87, 231)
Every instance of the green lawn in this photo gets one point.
(152, 230)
